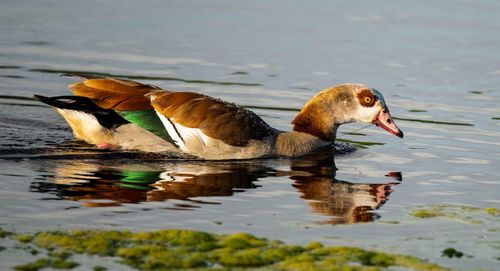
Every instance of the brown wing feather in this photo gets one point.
(116, 94)
(221, 120)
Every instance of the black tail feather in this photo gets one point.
(106, 117)
(77, 103)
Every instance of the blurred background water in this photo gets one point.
(437, 63)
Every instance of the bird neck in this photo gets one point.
(322, 114)
(317, 122)
(298, 143)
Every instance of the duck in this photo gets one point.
(121, 114)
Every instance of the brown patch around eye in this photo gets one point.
(366, 98)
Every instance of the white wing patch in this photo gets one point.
(194, 141)
(171, 130)
(189, 140)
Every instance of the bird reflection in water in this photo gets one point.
(189, 181)
(98, 185)
(113, 183)
(343, 202)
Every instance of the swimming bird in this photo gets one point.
(122, 114)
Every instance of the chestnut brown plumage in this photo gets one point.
(217, 119)
(116, 94)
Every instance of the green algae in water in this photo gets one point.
(393, 222)
(493, 229)
(469, 214)
(427, 213)
(24, 238)
(36, 265)
(452, 253)
(186, 249)
(46, 263)
(239, 73)
(4, 233)
(493, 211)
(102, 243)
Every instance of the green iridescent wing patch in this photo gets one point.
(148, 120)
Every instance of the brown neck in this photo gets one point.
(315, 121)
(328, 133)
(322, 114)
(297, 143)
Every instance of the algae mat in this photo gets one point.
(185, 249)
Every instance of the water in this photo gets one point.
(437, 63)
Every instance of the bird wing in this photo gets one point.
(115, 94)
(192, 115)
(189, 119)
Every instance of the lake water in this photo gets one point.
(437, 63)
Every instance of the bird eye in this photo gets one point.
(366, 98)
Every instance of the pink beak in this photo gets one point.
(385, 121)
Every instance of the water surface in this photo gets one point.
(437, 63)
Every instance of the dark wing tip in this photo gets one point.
(106, 117)
(46, 100)
(40, 97)
(67, 102)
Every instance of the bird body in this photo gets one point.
(123, 114)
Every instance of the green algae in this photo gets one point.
(452, 253)
(492, 211)
(102, 243)
(497, 229)
(24, 238)
(4, 233)
(468, 214)
(55, 260)
(242, 241)
(427, 213)
(199, 240)
(393, 222)
(33, 266)
(185, 249)
(54, 263)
